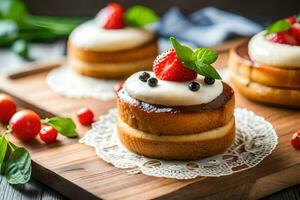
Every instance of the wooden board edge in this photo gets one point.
(275, 182)
(59, 184)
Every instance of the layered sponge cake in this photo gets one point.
(175, 113)
(267, 68)
(106, 47)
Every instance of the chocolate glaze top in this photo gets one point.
(218, 102)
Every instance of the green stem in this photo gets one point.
(11, 146)
(45, 121)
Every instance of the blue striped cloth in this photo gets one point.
(203, 28)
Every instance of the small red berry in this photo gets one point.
(296, 140)
(167, 66)
(7, 108)
(118, 87)
(282, 38)
(85, 116)
(25, 125)
(112, 16)
(295, 31)
(291, 19)
(48, 134)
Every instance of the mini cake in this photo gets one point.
(267, 69)
(175, 113)
(105, 48)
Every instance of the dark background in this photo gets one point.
(262, 11)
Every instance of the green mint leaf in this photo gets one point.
(139, 16)
(18, 169)
(8, 32)
(199, 60)
(278, 26)
(298, 18)
(206, 55)
(207, 70)
(3, 149)
(64, 126)
(20, 47)
(13, 9)
(184, 53)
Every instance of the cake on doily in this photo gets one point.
(181, 111)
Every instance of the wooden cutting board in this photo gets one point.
(75, 170)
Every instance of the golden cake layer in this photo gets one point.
(264, 83)
(179, 147)
(180, 120)
(116, 64)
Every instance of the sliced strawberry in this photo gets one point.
(112, 16)
(295, 31)
(291, 19)
(167, 66)
(282, 38)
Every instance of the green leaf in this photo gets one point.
(18, 170)
(3, 148)
(278, 26)
(184, 53)
(139, 16)
(20, 47)
(206, 55)
(207, 70)
(13, 9)
(8, 32)
(199, 60)
(65, 126)
(9, 150)
(8, 27)
(298, 18)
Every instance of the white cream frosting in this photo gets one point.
(91, 36)
(170, 93)
(266, 52)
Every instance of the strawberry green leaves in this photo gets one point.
(278, 26)
(199, 60)
(139, 16)
(15, 162)
(64, 126)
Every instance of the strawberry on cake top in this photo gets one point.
(278, 45)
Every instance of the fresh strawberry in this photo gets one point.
(167, 66)
(112, 16)
(282, 38)
(295, 31)
(291, 19)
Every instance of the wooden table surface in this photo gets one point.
(36, 190)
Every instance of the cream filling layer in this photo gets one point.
(278, 55)
(170, 93)
(207, 135)
(92, 37)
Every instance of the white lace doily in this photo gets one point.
(255, 139)
(65, 81)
